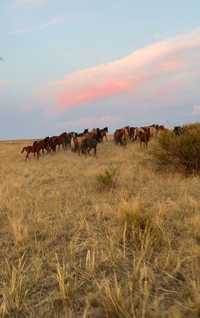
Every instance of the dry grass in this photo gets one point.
(69, 248)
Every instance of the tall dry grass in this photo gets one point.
(106, 237)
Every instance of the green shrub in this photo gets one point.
(180, 151)
(108, 179)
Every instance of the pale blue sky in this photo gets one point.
(42, 41)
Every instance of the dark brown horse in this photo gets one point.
(121, 136)
(83, 144)
(143, 135)
(132, 133)
(62, 140)
(104, 133)
(32, 149)
(42, 144)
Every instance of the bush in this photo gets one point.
(180, 151)
(108, 179)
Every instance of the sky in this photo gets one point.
(69, 65)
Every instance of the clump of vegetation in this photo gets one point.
(66, 288)
(182, 152)
(112, 299)
(108, 179)
(140, 226)
(14, 291)
(134, 215)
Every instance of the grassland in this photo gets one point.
(107, 237)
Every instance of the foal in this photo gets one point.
(32, 149)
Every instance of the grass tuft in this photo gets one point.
(14, 291)
(108, 179)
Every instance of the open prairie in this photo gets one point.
(97, 237)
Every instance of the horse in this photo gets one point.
(32, 149)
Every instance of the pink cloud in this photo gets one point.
(67, 98)
(173, 64)
(150, 64)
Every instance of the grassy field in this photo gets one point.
(108, 237)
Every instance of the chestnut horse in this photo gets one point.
(32, 149)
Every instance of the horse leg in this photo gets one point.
(65, 146)
(85, 151)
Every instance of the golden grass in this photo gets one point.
(77, 241)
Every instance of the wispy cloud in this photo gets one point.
(196, 110)
(51, 22)
(1, 59)
(152, 64)
(30, 2)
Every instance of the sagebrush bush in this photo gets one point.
(182, 151)
(108, 179)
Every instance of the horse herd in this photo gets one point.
(143, 134)
(85, 142)
(81, 143)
